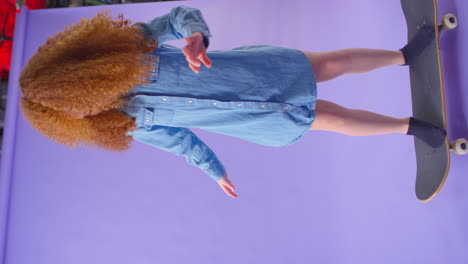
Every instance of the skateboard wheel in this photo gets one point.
(449, 21)
(460, 146)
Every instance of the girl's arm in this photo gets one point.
(182, 141)
(180, 23)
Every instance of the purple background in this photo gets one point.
(328, 198)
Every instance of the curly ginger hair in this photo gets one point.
(74, 85)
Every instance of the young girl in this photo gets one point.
(104, 83)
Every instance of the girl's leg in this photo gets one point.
(353, 122)
(331, 64)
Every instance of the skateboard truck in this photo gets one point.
(449, 22)
(459, 146)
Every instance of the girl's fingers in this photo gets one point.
(190, 56)
(231, 190)
(194, 68)
(195, 57)
(193, 61)
(229, 184)
(228, 191)
(204, 58)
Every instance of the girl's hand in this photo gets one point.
(227, 186)
(195, 52)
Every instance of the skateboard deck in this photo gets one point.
(427, 92)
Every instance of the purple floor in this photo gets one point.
(328, 198)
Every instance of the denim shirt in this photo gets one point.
(244, 94)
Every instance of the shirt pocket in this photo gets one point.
(156, 116)
(154, 71)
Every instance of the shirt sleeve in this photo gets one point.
(182, 141)
(180, 23)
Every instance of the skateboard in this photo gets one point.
(428, 98)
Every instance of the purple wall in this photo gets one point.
(329, 198)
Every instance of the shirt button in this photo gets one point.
(190, 101)
(286, 107)
(215, 103)
(164, 99)
(263, 106)
(147, 120)
(239, 105)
